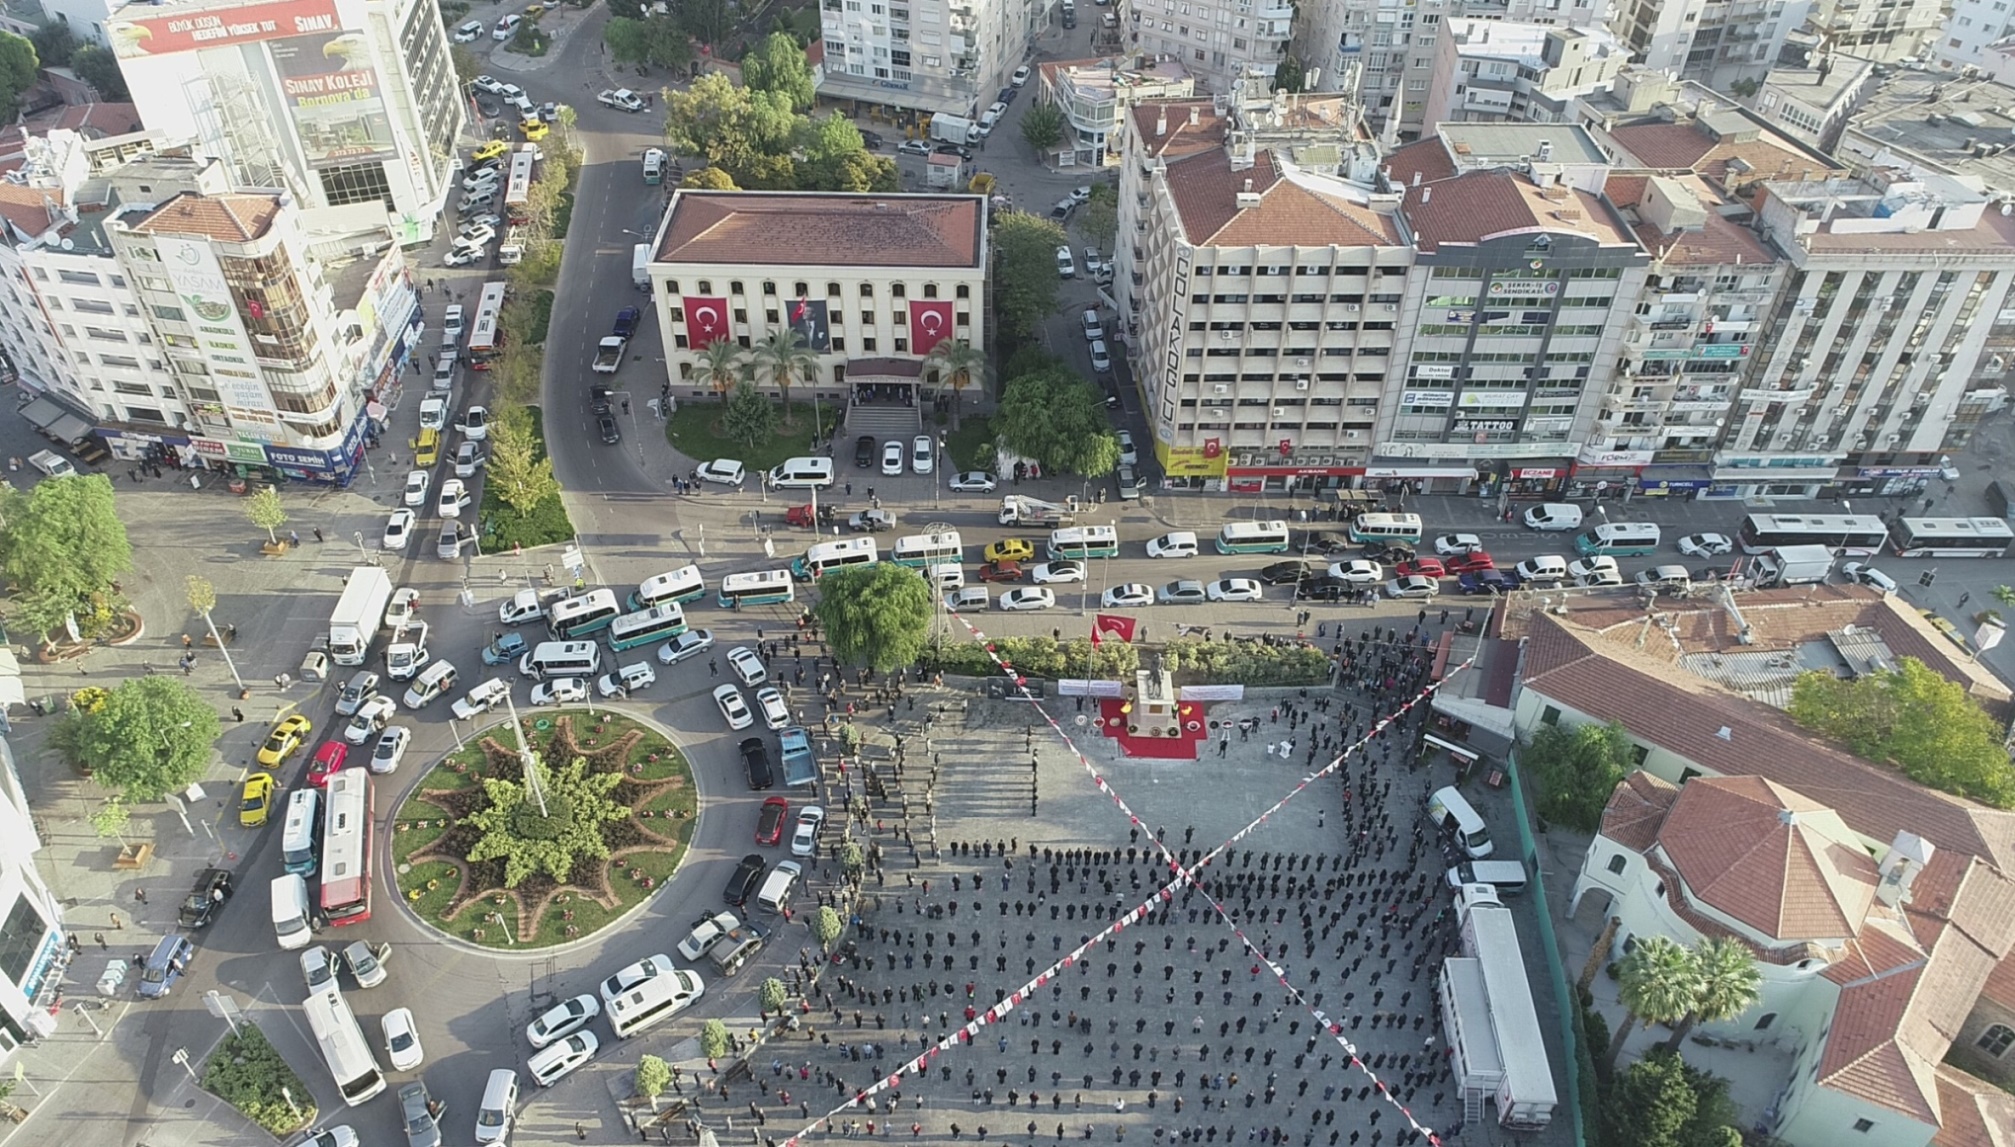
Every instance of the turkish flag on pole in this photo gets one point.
(706, 321)
(930, 324)
(1112, 626)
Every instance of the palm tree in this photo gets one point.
(1727, 988)
(721, 366)
(1658, 982)
(785, 358)
(959, 364)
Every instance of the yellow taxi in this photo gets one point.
(534, 127)
(256, 803)
(1010, 550)
(534, 11)
(490, 150)
(287, 736)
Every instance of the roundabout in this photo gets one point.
(481, 856)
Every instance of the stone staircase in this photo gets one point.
(884, 420)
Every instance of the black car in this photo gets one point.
(1392, 554)
(1005, 96)
(748, 876)
(213, 888)
(872, 139)
(1322, 588)
(1323, 542)
(1069, 19)
(959, 150)
(611, 433)
(756, 758)
(864, 451)
(598, 399)
(1285, 573)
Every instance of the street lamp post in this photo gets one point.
(362, 554)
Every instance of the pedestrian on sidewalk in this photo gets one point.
(140, 894)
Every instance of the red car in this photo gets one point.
(328, 759)
(1000, 571)
(1470, 563)
(770, 829)
(1421, 567)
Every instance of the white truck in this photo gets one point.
(640, 266)
(609, 354)
(358, 613)
(1488, 1018)
(622, 98)
(949, 128)
(1022, 510)
(52, 464)
(1793, 565)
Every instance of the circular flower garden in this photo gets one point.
(485, 857)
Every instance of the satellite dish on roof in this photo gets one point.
(69, 244)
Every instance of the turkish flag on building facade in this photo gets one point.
(706, 321)
(930, 324)
(1111, 626)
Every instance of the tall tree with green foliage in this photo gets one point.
(959, 364)
(1043, 126)
(1059, 420)
(1924, 723)
(1289, 75)
(147, 737)
(1099, 221)
(877, 615)
(714, 1042)
(62, 551)
(708, 21)
(709, 179)
(1658, 982)
(653, 1075)
(96, 65)
(1025, 280)
(1577, 767)
(656, 41)
(53, 44)
(777, 64)
(19, 69)
(519, 470)
(727, 124)
(826, 926)
(773, 996)
(750, 418)
(784, 359)
(532, 836)
(722, 364)
(1729, 984)
(1650, 1105)
(266, 512)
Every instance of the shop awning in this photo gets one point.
(69, 428)
(41, 412)
(1459, 752)
(1679, 476)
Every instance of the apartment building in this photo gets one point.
(1094, 96)
(925, 56)
(1885, 31)
(34, 948)
(1971, 28)
(1813, 102)
(1721, 43)
(1955, 126)
(1497, 71)
(1228, 45)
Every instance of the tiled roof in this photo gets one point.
(1684, 146)
(1172, 128)
(27, 208)
(1976, 1113)
(791, 228)
(1291, 211)
(224, 218)
(2000, 986)
(1427, 159)
(1769, 857)
(1865, 1054)
(1720, 240)
(1636, 809)
(1480, 205)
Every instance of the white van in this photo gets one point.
(657, 999)
(1449, 809)
(302, 833)
(1619, 539)
(1507, 876)
(1180, 544)
(500, 1107)
(482, 699)
(507, 27)
(290, 911)
(970, 599)
(803, 474)
(1554, 516)
(435, 681)
(549, 659)
(776, 893)
(946, 575)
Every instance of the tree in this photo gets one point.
(1057, 419)
(203, 599)
(1576, 768)
(1925, 724)
(650, 40)
(627, 38)
(98, 67)
(708, 21)
(1042, 126)
(877, 615)
(266, 512)
(519, 471)
(111, 818)
(62, 551)
(1658, 982)
(729, 125)
(851, 859)
(19, 70)
(532, 836)
(653, 1076)
(778, 64)
(1289, 75)
(1649, 1105)
(1025, 282)
(826, 926)
(750, 418)
(709, 179)
(784, 358)
(466, 63)
(1100, 220)
(721, 365)
(772, 997)
(959, 364)
(1728, 985)
(714, 1039)
(53, 44)
(150, 736)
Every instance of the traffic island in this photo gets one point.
(481, 856)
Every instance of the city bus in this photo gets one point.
(658, 623)
(343, 1045)
(1844, 534)
(579, 616)
(486, 332)
(761, 587)
(922, 551)
(297, 841)
(1083, 542)
(518, 187)
(1252, 538)
(681, 585)
(1384, 529)
(1951, 537)
(346, 848)
(827, 556)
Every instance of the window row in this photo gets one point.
(802, 290)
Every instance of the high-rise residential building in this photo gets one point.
(1225, 44)
(1942, 123)
(33, 948)
(1885, 31)
(336, 102)
(1490, 71)
(1094, 96)
(1813, 101)
(1970, 29)
(925, 56)
(1719, 42)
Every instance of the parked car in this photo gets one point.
(213, 888)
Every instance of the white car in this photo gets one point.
(318, 967)
(1129, 454)
(721, 471)
(637, 973)
(562, 1020)
(1066, 266)
(892, 458)
(1101, 359)
(920, 454)
(1093, 265)
(390, 749)
(1705, 545)
(1357, 571)
(454, 497)
(418, 482)
(1049, 573)
(470, 33)
(734, 707)
(973, 482)
(1598, 570)
(688, 644)
(1094, 327)
(1671, 578)
(776, 714)
(1081, 193)
(402, 1039)
(1027, 597)
(463, 256)
(468, 457)
(1865, 574)
(371, 716)
(1234, 589)
(626, 680)
(562, 691)
(434, 413)
(1456, 545)
(805, 837)
(405, 602)
(747, 665)
(1413, 586)
(487, 84)
(1187, 591)
(706, 930)
(1130, 594)
(475, 423)
(474, 234)
(399, 529)
(1020, 76)
(483, 180)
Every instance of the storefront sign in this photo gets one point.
(1533, 472)
(1205, 461)
(1615, 458)
(1427, 398)
(1485, 425)
(1898, 472)
(1506, 287)
(1433, 370)
(1492, 398)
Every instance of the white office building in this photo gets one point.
(1223, 43)
(33, 952)
(925, 56)
(1501, 71)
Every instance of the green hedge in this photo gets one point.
(1036, 657)
(1193, 661)
(545, 525)
(1253, 663)
(248, 1074)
